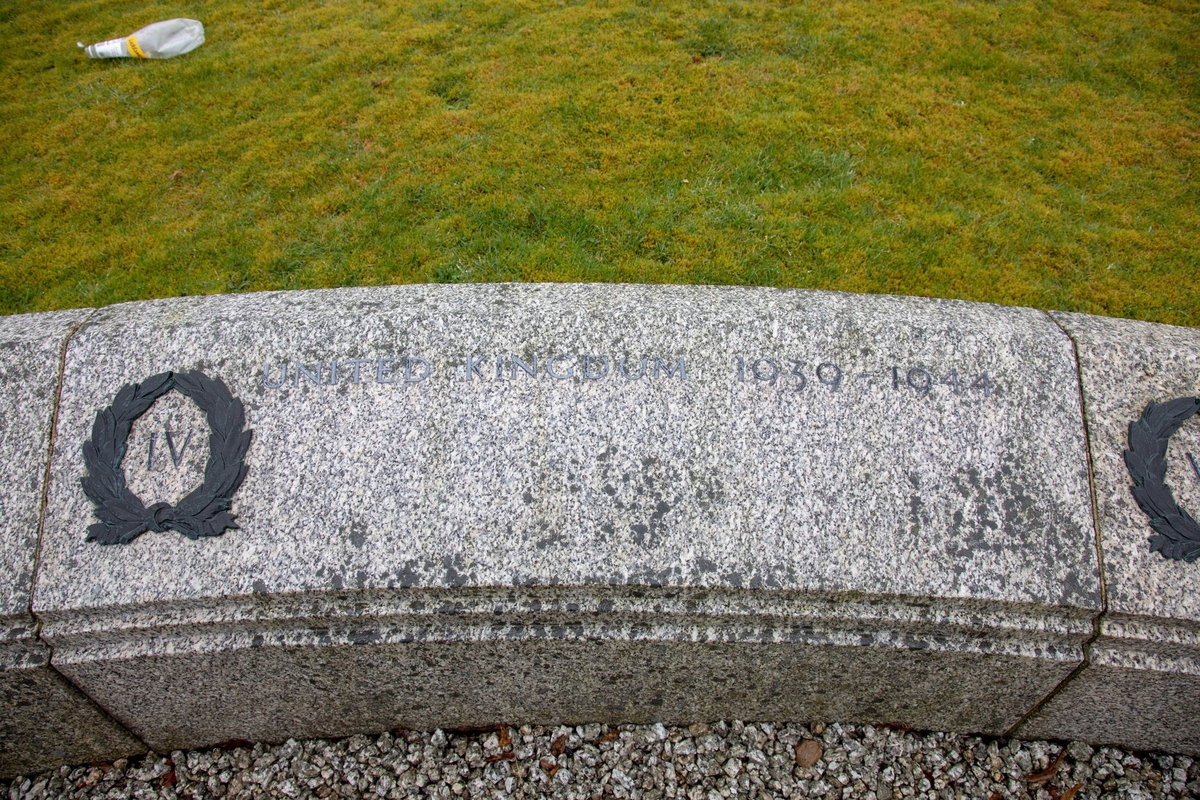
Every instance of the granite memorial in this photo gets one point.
(320, 513)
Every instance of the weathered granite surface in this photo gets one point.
(868, 508)
(51, 720)
(1142, 684)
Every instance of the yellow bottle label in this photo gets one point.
(134, 49)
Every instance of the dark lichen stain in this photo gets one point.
(972, 522)
(915, 504)
(557, 537)
(453, 574)
(710, 490)
(358, 533)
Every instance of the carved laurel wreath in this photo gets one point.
(1178, 534)
(205, 512)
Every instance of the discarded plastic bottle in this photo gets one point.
(167, 39)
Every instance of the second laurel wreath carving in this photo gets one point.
(1178, 534)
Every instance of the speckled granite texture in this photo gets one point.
(1142, 685)
(804, 504)
(53, 722)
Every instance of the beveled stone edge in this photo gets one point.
(683, 631)
(1106, 652)
(579, 612)
(18, 627)
(1132, 627)
(1148, 643)
(25, 653)
(1028, 314)
(349, 603)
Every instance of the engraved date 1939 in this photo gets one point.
(799, 375)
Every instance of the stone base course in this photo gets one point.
(466, 660)
(45, 721)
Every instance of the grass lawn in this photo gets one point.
(1022, 152)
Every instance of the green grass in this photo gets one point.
(1020, 152)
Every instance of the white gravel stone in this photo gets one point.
(646, 762)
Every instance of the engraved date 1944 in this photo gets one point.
(799, 375)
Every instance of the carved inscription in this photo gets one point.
(166, 450)
(176, 454)
(798, 375)
(475, 367)
(777, 371)
(405, 369)
(587, 366)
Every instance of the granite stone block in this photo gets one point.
(468, 504)
(43, 720)
(1141, 686)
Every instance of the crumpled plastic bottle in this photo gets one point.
(166, 39)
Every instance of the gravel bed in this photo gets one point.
(699, 762)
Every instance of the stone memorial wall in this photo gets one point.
(320, 513)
